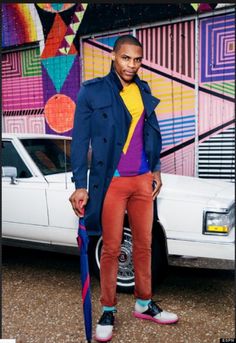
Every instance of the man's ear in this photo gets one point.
(113, 55)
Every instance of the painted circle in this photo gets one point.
(59, 113)
(55, 8)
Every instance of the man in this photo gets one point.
(115, 114)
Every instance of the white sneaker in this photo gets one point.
(154, 313)
(105, 327)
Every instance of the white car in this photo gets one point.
(193, 217)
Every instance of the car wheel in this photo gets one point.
(125, 277)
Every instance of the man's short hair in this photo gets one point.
(126, 39)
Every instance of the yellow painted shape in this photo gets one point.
(173, 95)
(97, 63)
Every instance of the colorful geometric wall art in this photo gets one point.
(46, 70)
(218, 50)
(216, 155)
(169, 68)
(176, 109)
(20, 23)
(55, 7)
(170, 48)
(216, 97)
(24, 124)
(59, 113)
(22, 86)
(60, 65)
(49, 69)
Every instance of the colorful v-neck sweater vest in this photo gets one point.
(133, 159)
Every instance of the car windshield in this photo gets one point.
(52, 156)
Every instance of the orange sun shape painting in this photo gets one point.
(59, 113)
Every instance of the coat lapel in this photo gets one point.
(149, 101)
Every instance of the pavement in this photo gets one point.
(42, 302)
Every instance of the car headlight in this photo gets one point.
(219, 222)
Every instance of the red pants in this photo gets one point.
(133, 193)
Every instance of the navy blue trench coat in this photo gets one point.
(102, 120)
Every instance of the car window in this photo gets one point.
(52, 156)
(11, 158)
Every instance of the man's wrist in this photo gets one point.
(82, 189)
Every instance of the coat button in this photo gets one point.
(95, 186)
(104, 140)
(100, 163)
(104, 115)
(118, 143)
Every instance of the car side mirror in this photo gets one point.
(10, 172)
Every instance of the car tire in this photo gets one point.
(125, 278)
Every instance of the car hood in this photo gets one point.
(213, 193)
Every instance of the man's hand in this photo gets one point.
(157, 182)
(78, 200)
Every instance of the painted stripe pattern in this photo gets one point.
(218, 48)
(24, 124)
(22, 93)
(216, 156)
(170, 46)
(177, 129)
(35, 111)
(222, 87)
(31, 65)
(11, 65)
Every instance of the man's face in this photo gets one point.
(127, 61)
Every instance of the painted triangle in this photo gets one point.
(69, 30)
(54, 64)
(73, 50)
(80, 16)
(75, 27)
(195, 6)
(84, 6)
(48, 86)
(76, 15)
(54, 38)
(65, 44)
(70, 38)
(64, 51)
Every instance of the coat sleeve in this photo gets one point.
(156, 165)
(80, 139)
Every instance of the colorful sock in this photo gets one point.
(109, 308)
(143, 302)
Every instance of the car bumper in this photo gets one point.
(215, 250)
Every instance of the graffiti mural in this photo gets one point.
(40, 83)
(216, 97)
(169, 83)
(44, 62)
(169, 67)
